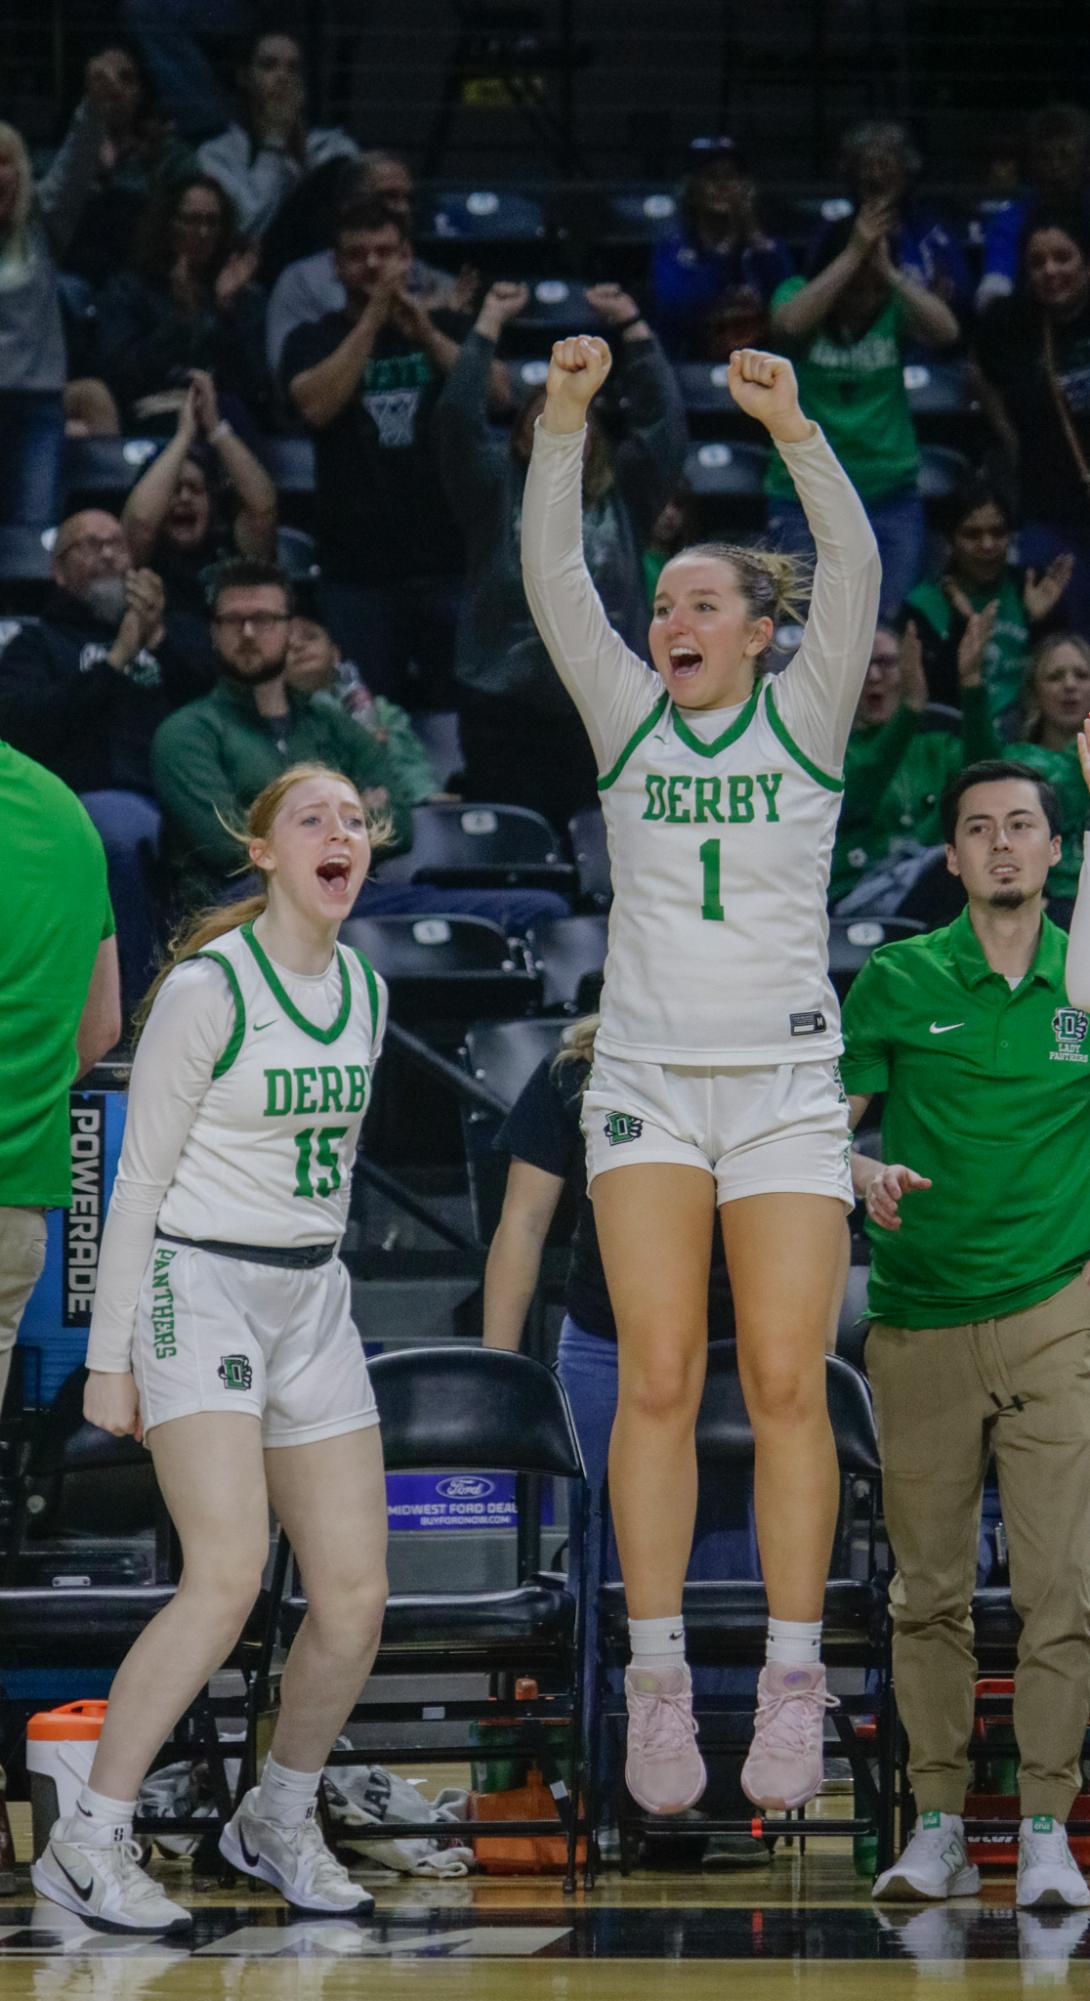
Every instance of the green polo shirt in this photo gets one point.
(987, 1093)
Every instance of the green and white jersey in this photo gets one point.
(720, 822)
(268, 1157)
(248, 1089)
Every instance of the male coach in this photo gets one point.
(980, 1338)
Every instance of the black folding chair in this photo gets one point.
(481, 846)
(503, 1056)
(449, 969)
(569, 953)
(587, 833)
(476, 1411)
(726, 1620)
(853, 939)
(76, 1592)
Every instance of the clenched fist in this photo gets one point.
(577, 370)
(764, 386)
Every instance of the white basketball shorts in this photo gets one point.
(779, 1130)
(216, 1333)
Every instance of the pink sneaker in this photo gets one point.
(785, 1766)
(664, 1771)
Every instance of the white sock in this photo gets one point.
(284, 1795)
(657, 1644)
(950, 1823)
(794, 1642)
(104, 1816)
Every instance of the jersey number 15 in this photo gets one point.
(324, 1157)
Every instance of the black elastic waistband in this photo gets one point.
(306, 1258)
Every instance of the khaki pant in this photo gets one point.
(944, 1397)
(22, 1255)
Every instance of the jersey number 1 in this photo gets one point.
(712, 907)
(324, 1155)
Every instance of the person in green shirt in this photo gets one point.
(895, 768)
(316, 666)
(846, 329)
(61, 1009)
(979, 1220)
(1057, 698)
(977, 573)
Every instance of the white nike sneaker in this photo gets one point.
(295, 1860)
(1047, 1871)
(934, 1864)
(102, 1882)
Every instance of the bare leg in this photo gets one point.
(211, 1476)
(654, 1227)
(331, 1499)
(784, 1256)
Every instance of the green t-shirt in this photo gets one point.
(856, 391)
(987, 1093)
(1006, 655)
(55, 914)
(894, 776)
(1064, 774)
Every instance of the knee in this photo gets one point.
(225, 1589)
(665, 1388)
(782, 1392)
(348, 1612)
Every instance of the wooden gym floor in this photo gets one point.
(803, 1927)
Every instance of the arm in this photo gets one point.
(320, 393)
(795, 318)
(514, 1257)
(145, 509)
(470, 460)
(188, 1028)
(1078, 943)
(650, 458)
(191, 784)
(100, 1023)
(924, 316)
(612, 689)
(255, 522)
(817, 694)
(62, 193)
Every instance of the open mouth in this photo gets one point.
(685, 661)
(334, 874)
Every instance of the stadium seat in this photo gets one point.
(449, 969)
(101, 471)
(569, 953)
(297, 553)
(289, 461)
(939, 716)
(91, 1560)
(853, 939)
(477, 1412)
(703, 386)
(727, 471)
(938, 387)
(481, 846)
(852, 1325)
(25, 569)
(438, 732)
(587, 833)
(480, 215)
(726, 1620)
(942, 471)
(503, 1056)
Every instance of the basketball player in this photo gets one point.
(715, 1081)
(222, 1333)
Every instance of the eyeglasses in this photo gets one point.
(96, 545)
(261, 621)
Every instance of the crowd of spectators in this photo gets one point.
(214, 291)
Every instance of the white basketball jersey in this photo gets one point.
(268, 1159)
(720, 850)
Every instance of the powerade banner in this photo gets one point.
(455, 1501)
(54, 1328)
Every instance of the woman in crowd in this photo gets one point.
(1057, 698)
(204, 497)
(139, 154)
(1032, 355)
(222, 1333)
(713, 278)
(521, 741)
(37, 222)
(879, 163)
(848, 327)
(263, 158)
(188, 301)
(977, 573)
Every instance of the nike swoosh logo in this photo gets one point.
(945, 1027)
(82, 1890)
(259, 1025)
(251, 1860)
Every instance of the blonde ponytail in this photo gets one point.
(774, 585)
